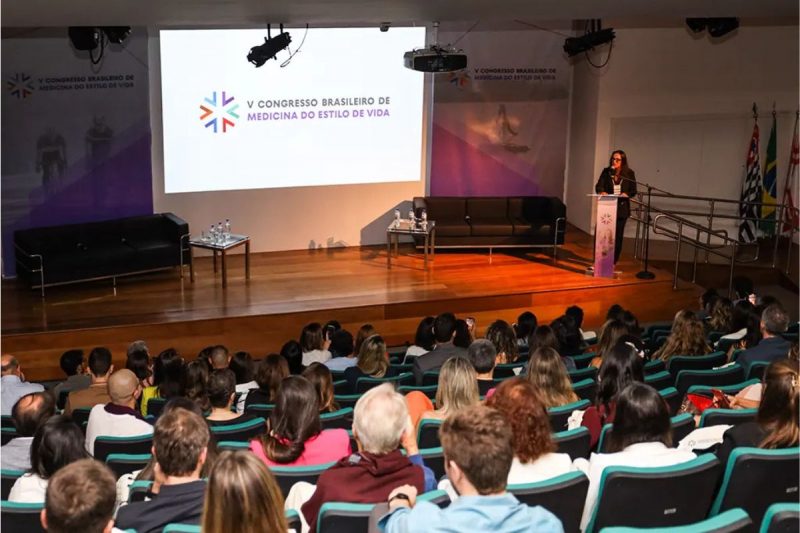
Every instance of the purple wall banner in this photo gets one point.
(76, 136)
(604, 236)
(500, 126)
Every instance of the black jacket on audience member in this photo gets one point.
(175, 504)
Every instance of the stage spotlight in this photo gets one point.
(697, 25)
(259, 55)
(84, 37)
(577, 45)
(116, 34)
(722, 26)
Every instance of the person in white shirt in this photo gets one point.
(14, 385)
(640, 437)
(119, 418)
(342, 354)
(314, 344)
(244, 370)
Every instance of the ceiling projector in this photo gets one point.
(435, 59)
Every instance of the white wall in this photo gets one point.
(284, 219)
(679, 106)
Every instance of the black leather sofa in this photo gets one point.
(72, 253)
(516, 221)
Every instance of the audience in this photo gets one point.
(707, 300)
(343, 356)
(72, 363)
(483, 356)
(501, 335)
(743, 320)
(463, 337)
(57, 443)
(28, 414)
(219, 358)
(243, 368)
(140, 363)
(100, 368)
(242, 496)
(380, 425)
(478, 455)
(641, 436)
(621, 366)
(293, 353)
(548, 375)
(721, 319)
(424, 339)
(576, 314)
(567, 335)
(168, 370)
(195, 383)
(772, 347)
(609, 335)
(12, 384)
(319, 376)
(314, 344)
(295, 436)
(534, 449)
(524, 328)
(180, 448)
(373, 362)
(364, 332)
(444, 331)
(776, 424)
(221, 395)
(270, 372)
(119, 417)
(458, 388)
(80, 497)
(687, 337)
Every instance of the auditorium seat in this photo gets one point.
(660, 380)
(731, 390)
(346, 400)
(181, 528)
(434, 459)
(756, 370)
(429, 390)
(7, 434)
(23, 517)
(7, 480)
(402, 368)
(508, 370)
(676, 363)
(574, 442)
(560, 415)
(81, 416)
(583, 374)
(341, 386)
(720, 376)
(654, 367)
(430, 378)
(681, 424)
(564, 496)
(155, 406)
(585, 389)
(260, 409)
(733, 521)
(124, 463)
(293, 520)
(582, 360)
(137, 491)
(343, 418)
(105, 445)
(339, 517)
(428, 433)
(7, 422)
(243, 431)
(365, 384)
(673, 399)
(626, 495)
(286, 476)
(732, 417)
(781, 518)
(754, 479)
(232, 445)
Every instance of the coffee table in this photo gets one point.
(406, 227)
(232, 241)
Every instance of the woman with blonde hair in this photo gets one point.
(243, 496)
(458, 388)
(373, 362)
(687, 337)
(548, 375)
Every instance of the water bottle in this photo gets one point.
(396, 222)
(220, 234)
(227, 228)
(412, 218)
(212, 234)
(424, 215)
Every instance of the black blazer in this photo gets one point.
(606, 184)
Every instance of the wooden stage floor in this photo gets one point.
(289, 289)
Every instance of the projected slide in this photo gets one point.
(344, 111)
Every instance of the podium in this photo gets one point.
(605, 230)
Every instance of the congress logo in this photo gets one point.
(20, 85)
(219, 111)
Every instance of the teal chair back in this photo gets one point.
(365, 384)
(715, 417)
(244, 431)
(429, 390)
(660, 380)
(338, 517)
(564, 496)
(559, 415)
(733, 521)
(780, 518)
(106, 445)
(676, 363)
(124, 463)
(754, 479)
(341, 419)
(681, 424)
(585, 389)
(233, 445)
(625, 496)
(155, 406)
(22, 517)
(574, 442)
(286, 476)
(589, 372)
(7, 480)
(428, 433)
(722, 376)
(346, 400)
(81, 416)
(181, 528)
(7, 434)
(260, 409)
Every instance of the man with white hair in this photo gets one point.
(380, 425)
(118, 418)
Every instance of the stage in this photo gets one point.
(288, 289)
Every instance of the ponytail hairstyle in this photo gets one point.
(778, 411)
(294, 420)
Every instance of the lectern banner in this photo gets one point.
(604, 236)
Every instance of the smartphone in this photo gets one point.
(470, 322)
(721, 399)
(329, 331)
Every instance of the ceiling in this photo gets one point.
(226, 13)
